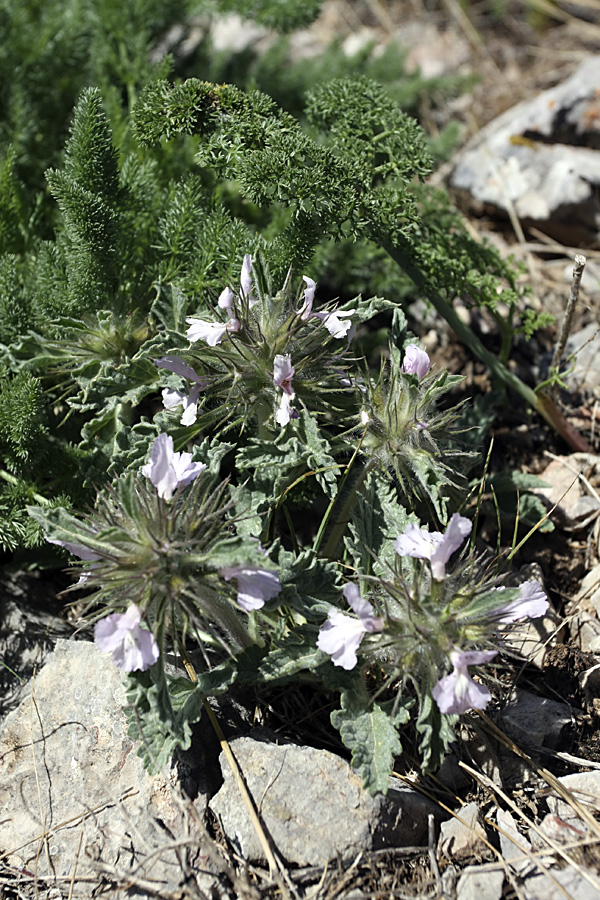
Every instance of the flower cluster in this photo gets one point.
(245, 356)
(449, 615)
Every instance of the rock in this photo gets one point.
(535, 722)
(464, 835)
(557, 830)
(74, 795)
(583, 347)
(562, 883)
(480, 883)
(584, 613)
(313, 805)
(540, 157)
(585, 787)
(514, 846)
(574, 508)
(28, 630)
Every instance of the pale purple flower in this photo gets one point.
(179, 367)
(341, 635)
(285, 411)
(434, 546)
(309, 296)
(457, 692)
(255, 585)
(416, 361)
(210, 332)
(76, 549)
(531, 603)
(246, 280)
(167, 469)
(172, 398)
(337, 322)
(225, 301)
(133, 648)
(283, 372)
(80, 551)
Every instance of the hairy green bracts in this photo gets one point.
(169, 557)
(240, 352)
(409, 436)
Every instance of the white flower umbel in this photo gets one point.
(457, 692)
(167, 469)
(133, 648)
(341, 635)
(434, 546)
(255, 585)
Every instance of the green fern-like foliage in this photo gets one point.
(88, 195)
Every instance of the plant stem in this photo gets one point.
(12, 480)
(541, 402)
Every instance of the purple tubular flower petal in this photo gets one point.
(167, 469)
(362, 608)
(132, 647)
(309, 296)
(76, 549)
(438, 548)
(246, 280)
(340, 637)
(225, 301)
(256, 586)
(283, 372)
(416, 361)
(179, 367)
(457, 530)
(210, 332)
(531, 604)
(457, 692)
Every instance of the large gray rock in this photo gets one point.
(541, 156)
(313, 805)
(73, 793)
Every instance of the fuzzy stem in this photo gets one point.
(541, 402)
(342, 504)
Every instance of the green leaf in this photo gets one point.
(153, 720)
(169, 307)
(377, 520)
(297, 652)
(436, 732)
(368, 731)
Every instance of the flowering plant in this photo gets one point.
(219, 572)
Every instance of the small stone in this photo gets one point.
(313, 805)
(585, 787)
(480, 883)
(557, 830)
(464, 835)
(535, 722)
(563, 883)
(513, 843)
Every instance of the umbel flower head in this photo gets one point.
(244, 353)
